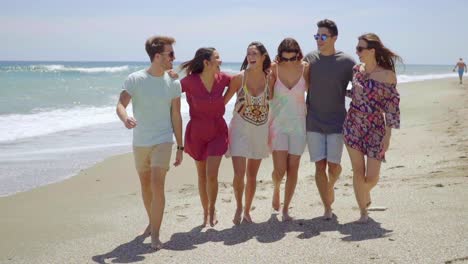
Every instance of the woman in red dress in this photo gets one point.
(206, 135)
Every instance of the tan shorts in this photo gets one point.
(154, 156)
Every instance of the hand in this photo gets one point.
(179, 158)
(130, 122)
(173, 74)
(385, 144)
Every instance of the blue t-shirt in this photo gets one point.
(151, 101)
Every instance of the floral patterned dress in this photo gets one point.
(364, 126)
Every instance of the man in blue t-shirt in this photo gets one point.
(330, 72)
(156, 117)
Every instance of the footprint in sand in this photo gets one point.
(181, 218)
(261, 197)
(396, 167)
(462, 157)
(226, 200)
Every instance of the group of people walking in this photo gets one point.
(283, 104)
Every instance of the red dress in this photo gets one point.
(206, 133)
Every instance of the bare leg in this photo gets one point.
(291, 181)
(252, 170)
(212, 168)
(372, 176)
(360, 190)
(201, 171)
(158, 176)
(280, 163)
(321, 180)
(147, 195)
(238, 164)
(334, 171)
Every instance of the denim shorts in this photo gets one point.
(325, 146)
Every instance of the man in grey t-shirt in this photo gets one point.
(330, 72)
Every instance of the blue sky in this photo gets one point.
(423, 32)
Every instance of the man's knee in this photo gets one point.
(334, 168)
(320, 166)
(145, 177)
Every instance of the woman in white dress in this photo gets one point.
(248, 130)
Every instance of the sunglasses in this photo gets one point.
(171, 54)
(288, 59)
(360, 49)
(322, 37)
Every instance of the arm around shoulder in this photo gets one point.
(234, 85)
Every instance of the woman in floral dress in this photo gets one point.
(373, 112)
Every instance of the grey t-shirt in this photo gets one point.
(329, 77)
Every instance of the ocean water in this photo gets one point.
(57, 118)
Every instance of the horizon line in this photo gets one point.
(433, 64)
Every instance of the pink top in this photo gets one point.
(288, 105)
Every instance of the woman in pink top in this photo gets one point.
(287, 115)
(206, 135)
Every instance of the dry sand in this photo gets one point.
(96, 216)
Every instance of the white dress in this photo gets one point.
(248, 129)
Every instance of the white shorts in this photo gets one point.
(325, 146)
(293, 143)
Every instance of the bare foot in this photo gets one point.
(147, 231)
(286, 217)
(247, 218)
(328, 214)
(363, 220)
(156, 244)
(213, 218)
(237, 216)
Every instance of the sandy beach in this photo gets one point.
(96, 216)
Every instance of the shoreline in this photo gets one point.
(94, 217)
(77, 171)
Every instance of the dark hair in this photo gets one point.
(196, 65)
(263, 51)
(384, 56)
(155, 44)
(289, 45)
(330, 25)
